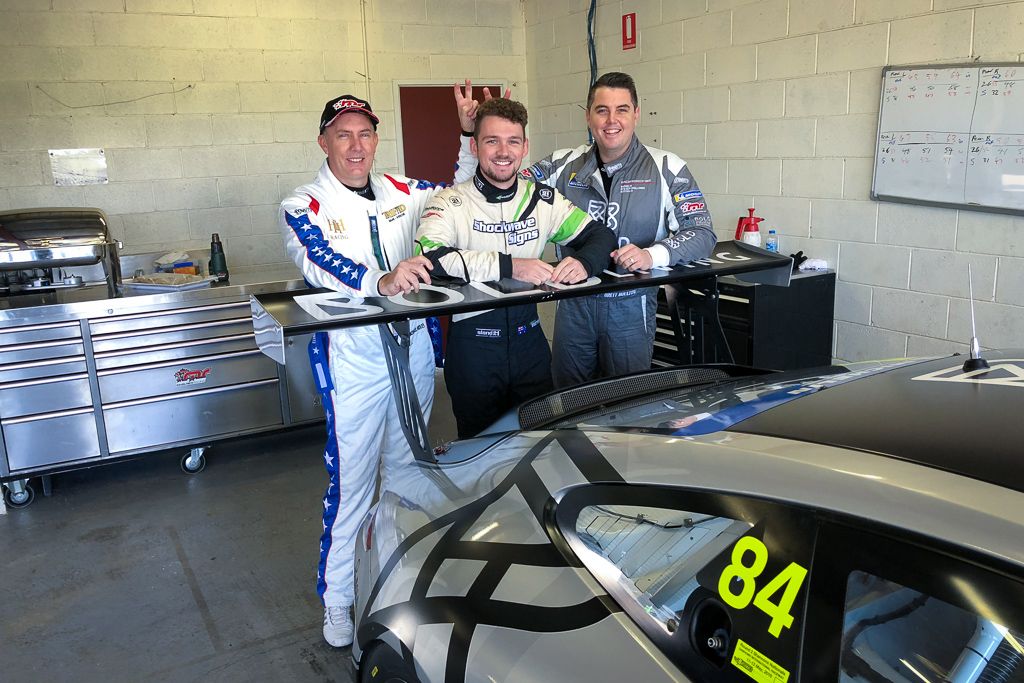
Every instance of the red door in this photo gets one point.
(430, 130)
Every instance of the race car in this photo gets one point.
(714, 523)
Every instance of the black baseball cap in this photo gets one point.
(343, 105)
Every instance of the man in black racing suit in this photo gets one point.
(494, 227)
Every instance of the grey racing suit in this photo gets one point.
(500, 358)
(347, 242)
(654, 202)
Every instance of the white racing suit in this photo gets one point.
(500, 358)
(328, 231)
(653, 202)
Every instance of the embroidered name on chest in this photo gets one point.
(336, 228)
(628, 186)
(397, 212)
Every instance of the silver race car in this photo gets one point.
(714, 523)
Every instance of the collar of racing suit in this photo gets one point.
(493, 194)
(610, 168)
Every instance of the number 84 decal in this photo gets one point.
(748, 561)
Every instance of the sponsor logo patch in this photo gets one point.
(186, 376)
(455, 201)
(336, 229)
(504, 226)
(396, 212)
(546, 193)
(488, 332)
(680, 197)
(692, 207)
(585, 184)
(608, 214)
(517, 238)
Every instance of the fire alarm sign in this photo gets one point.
(629, 31)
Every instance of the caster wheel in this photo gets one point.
(193, 466)
(19, 500)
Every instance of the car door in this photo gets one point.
(886, 605)
(716, 581)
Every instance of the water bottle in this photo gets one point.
(772, 243)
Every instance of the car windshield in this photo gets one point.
(709, 408)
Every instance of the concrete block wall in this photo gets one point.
(774, 104)
(207, 109)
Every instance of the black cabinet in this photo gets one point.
(778, 328)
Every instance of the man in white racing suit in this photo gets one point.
(652, 203)
(495, 227)
(351, 230)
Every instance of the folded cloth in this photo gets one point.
(814, 264)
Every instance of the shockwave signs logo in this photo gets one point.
(504, 226)
(397, 212)
(517, 238)
(1007, 373)
(186, 376)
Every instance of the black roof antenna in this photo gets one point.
(975, 362)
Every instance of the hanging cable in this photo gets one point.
(593, 54)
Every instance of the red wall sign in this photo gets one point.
(629, 31)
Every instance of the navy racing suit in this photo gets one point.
(653, 202)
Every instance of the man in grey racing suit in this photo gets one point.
(650, 200)
(351, 230)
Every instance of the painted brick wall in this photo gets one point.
(207, 109)
(774, 104)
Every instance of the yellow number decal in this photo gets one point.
(792, 577)
(742, 572)
(789, 580)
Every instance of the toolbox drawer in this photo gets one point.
(48, 395)
(192, 415)
(123, 358)
(204, 372)
(172, 317)
(27, 334)
(51, 440)
(40, 369)
(43, 350)
(162, 336)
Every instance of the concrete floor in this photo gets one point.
(136, 571)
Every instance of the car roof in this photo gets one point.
(931, 413)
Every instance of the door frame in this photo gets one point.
(396, 86)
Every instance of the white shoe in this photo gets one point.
(338, 626)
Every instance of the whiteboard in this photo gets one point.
(952, 136)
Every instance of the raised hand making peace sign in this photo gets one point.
(467, 105)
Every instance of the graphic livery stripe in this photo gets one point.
(319, 252)
(526, 196)
(400, 186)
(319, 347)
(570, 226)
